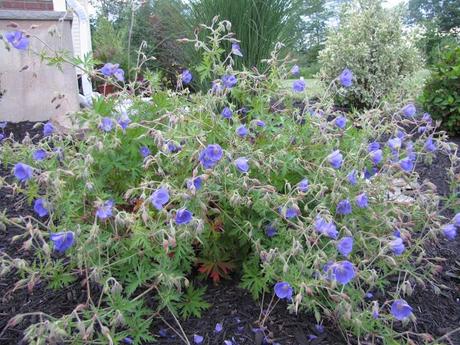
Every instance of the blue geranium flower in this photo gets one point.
(373, 146)
(110, 70)
(397, 246)
(283, 290)
(236, 50)
(335, 159)
(183, 216)
(450, 231)
(395, 143)
(48, 129)
(144, 151)
(23, 172)
(105, 210)
(352, 177)
(17, 39)
(429, 145)
(226, 113)
(198, 339)
(409, 110)
(361, 200)
(343, 271)
(376, 156)
(343, 207)
(39, 155)
(242, 131)
(346, 78)
(211, 155)
(327, 228)
(229, 81)
(303, 185)
(242, 164)
(186, 77)
(62, 240)
(123, 122)
(218, 328)
(159, 198)
(345, 246)
(195, 182)
(341, 122)
(295, 70)
(298, 85)
(406, 164)
(270, 230)
(106, 124)
(40, 207)
(400, 309)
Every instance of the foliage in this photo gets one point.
(109, 44)
(446, 14)
(441, 96)
(370, 42)
(127, 216)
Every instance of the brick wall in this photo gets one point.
(30, 5)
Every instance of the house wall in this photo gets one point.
(30, 85)
(31, 5)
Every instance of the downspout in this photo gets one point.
(85, 43)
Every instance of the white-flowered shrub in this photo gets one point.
(370, 41)
(318, 208)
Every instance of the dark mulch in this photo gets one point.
(437, 314)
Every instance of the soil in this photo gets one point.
(437, 314)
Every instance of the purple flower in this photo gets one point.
(283, 290)
(343, 207)
(427, 118)
(183, 216)
(450, 231)
(242, 164)
(327, 228)
(376, 156)
(298, 85)
(406, 164)
(352, 178)
(172, 147)
(218, 328)
(39, 207)
(397, 246)
(242, 131)
(335, 159)
(144, 151)
(48, 129)
(397, 233)
(226, 113)
(236, 50)
(229, 81)
(17, 39)
(62, 240)
(401, 134)
(197, 339)
(429, 146)
(373, 146)
(303, 185)
(345, 246)
(375, 310)
(128, 340)
(270, 230)
(361, 200)
(1, 136)
(3, 124)
(39, 155)
(409, 110)
(319, 328)
(23, 172)
(395, 143)
(456, 220)
(341, 122)
(295, 70)
(368, 295)
(343, 271)
(400, 309)
(369, 172)
(210, 156)
(195, 182)
(124, 122)
(105, 210)
(260, 123)
(159, 198)
(110, 69)
(186, 77)
(421, 129)
(289, 212)
(346, 78)
(216, 87)
(106, 124)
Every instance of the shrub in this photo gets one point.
(303, 202)
(370, 42)
(441, 96)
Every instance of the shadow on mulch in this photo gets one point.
(437, 314)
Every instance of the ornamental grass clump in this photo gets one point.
(302, 209)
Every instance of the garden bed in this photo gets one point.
(437, 314)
